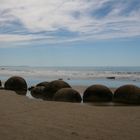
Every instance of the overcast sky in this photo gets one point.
(70, 32)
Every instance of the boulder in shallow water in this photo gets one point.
(16, 83)
(97, 93)
(127, 94)
(67, 95)
(111, 77)
(53, 87)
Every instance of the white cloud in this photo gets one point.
(52, 15)
(14, 38)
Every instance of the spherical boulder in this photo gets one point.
(38, 92)
(16, 83)
(67, 95)
(97, 93)
(53, 87)
(127, 94)
(45, 84)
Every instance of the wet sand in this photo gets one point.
(22, 118)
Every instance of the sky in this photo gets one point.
(70, 32)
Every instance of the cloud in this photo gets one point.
(68, 20)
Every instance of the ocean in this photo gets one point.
(109, 76)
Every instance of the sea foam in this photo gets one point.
(69, 72)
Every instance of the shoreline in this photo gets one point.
(109, 76)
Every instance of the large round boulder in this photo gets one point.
(16, 83)
(127, 94)
(97, 93)
(53, 87)
(45, 84)
(67, 95)
(38, 92)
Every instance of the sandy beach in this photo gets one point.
(28, 119)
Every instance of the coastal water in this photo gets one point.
(109, 76)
